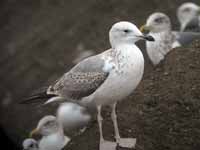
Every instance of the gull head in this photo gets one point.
(187, 12)
(47, 125)
(30, 144)
(157, 22)
(126, 33)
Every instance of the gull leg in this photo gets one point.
(122, 142)
(114, 119)
(100, 119)
(104, 145)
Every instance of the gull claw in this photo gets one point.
(127, 142)
(107, 145)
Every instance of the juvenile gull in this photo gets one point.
(106, 78)
(189, 17)
(30, 144)
(53, 137)
(159, 26)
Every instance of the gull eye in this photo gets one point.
(186, 10)
(48, 124)
(158, 20)
(127, 31)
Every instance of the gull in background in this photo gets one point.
(53, 137)
(30, 144)
(70, 117)
(104, 79)
(159, 26)
(188, 15)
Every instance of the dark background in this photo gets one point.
(40, 38)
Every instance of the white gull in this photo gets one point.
(104, 79)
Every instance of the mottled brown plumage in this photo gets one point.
(81, 81)
(78, 84)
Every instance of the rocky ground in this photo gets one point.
(39, 40)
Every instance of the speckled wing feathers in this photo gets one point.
(82, 80)
(79, 84)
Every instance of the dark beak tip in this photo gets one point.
(150, 38)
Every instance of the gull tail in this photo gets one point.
(40, 96)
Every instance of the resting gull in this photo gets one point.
(104, 79)
(159, 26)
(53, 137)
(189, 17)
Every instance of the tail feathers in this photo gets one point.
(37, 98)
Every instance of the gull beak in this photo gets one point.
(34, 132)
(147, 37)
(145, 28)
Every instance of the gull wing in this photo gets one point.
(185, 38)
(82, 80)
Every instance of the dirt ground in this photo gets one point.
(39, 40)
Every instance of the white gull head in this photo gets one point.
(125, 33)
(48, 125)
(51, 130)
(187, 12)
(158, 22)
